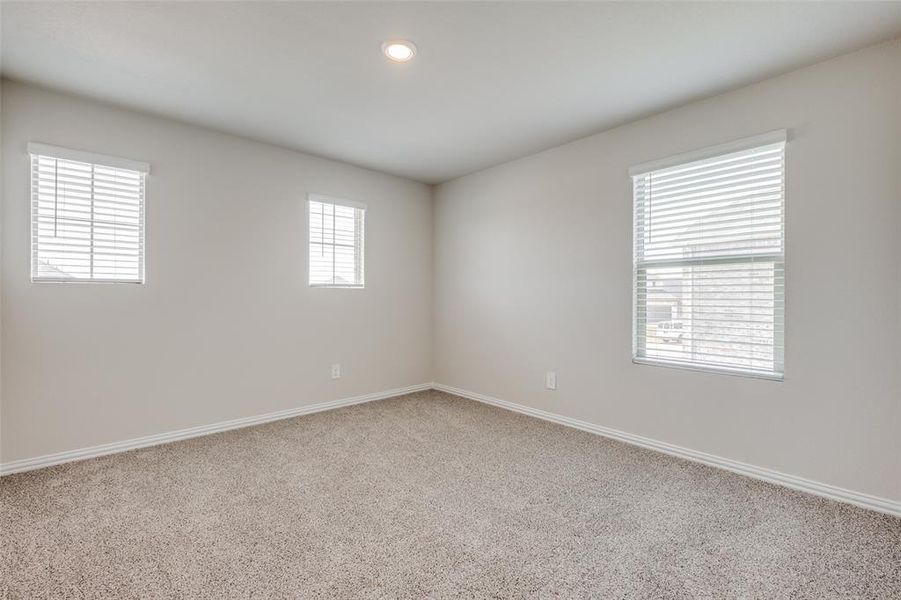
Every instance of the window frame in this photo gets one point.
(324, 199)
(38, 150)
(779, 259)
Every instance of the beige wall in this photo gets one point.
(225, 326)
(533, 273)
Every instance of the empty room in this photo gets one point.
(450, 300)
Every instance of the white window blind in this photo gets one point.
(336, 242)
(87, 216)
(709, 282)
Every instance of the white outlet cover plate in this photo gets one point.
(550, 380)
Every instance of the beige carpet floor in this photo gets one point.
(427, 495)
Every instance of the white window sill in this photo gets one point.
(707, 369)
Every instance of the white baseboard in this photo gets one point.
(883, 505)
(48, 460)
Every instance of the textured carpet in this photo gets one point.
(427, 495)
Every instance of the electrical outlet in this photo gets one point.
(336, 371)
(550, 380)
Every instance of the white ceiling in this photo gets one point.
(491, 82)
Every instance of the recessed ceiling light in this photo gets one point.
(399, 50)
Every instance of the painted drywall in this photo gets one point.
(1, 278)
(533, 273)
(225, 326)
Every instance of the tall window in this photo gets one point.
(709, 282)
(87, 216)
(336, 242)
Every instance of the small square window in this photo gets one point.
(87, 216)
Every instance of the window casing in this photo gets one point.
(709, 259)
(87, 216)
(336, 242)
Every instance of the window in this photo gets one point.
(709, 281)
(336, 242)
(87, 216)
